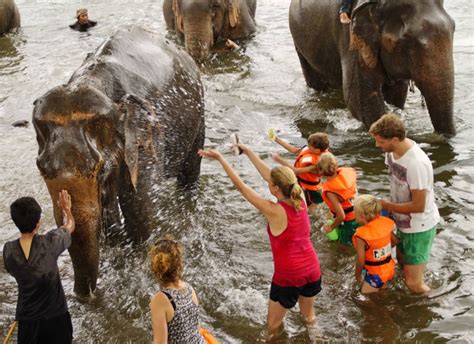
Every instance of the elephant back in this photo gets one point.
(137, 62)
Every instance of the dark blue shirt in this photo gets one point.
(40, 292)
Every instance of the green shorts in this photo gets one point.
(347, 230)
(416, 247)
(313, 196)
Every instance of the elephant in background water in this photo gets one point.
(9, 16)
(201, 23)
(132, 114)
(387, 44)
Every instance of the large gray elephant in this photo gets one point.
(131, 115)
(201, 23)
(387, 44)
(9, 16)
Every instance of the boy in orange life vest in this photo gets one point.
(305, 166)
(373, 242)
(338, 191)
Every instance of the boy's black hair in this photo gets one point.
(26, 213)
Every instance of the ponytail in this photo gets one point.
(286, 180)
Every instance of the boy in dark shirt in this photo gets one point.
(83, 23)
(41, 311)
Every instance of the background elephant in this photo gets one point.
(9, 16)
(387, 44)
(131, 115)
(201, 23)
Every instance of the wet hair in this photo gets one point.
(25, 213)
(388, 126)
(327, 164)
(319, 141)
(285, 179)
(367, 206)
(166, 260)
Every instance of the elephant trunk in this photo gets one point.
(86, 209)
(198, 36)
(433, 74)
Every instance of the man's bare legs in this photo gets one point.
(414, 278)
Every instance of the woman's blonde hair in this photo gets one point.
(285, 179)
(327, 164)
(367, 206)
(166, 260)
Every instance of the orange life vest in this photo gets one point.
(378, 255)
(308, 181)
(345, 186)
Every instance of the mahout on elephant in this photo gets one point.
(131, 115)
(387, 44)
(9, 16)
(202, 23)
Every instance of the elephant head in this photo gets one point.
(88, 145)
(393, 42)
(9, 16)
(203, 22)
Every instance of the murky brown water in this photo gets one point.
(228, 255)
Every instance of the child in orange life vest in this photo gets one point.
(373, 242)
(305, 166)
(338, 191)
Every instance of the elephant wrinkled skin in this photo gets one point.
(201, 23)
(387, 44)
(131, 115)
(9, 16)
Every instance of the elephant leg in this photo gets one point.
(312, 77)
(192, 165)
(396, 94)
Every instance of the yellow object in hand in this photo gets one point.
(271, 134)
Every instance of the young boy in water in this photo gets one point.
(373, 243)
(41, 310)
(305, 166)
(345, 11)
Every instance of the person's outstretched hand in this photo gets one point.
(64, 202)
(210, 154)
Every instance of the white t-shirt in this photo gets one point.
(412, 171)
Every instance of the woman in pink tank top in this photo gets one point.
(297, 276)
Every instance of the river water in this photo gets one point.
(228, 258)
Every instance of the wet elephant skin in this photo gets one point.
(9, 16)
(387, 44)
(130, 116)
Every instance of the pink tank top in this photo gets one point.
(295, 260)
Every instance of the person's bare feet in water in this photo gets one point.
(232, 45)
(344, 18)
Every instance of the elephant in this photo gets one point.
(387, 44)
(9, 16)
(201, 23)
(131, 115)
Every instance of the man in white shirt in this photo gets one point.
(411, 204)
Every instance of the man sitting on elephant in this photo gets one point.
(83, 23)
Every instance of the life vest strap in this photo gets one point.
(301, 180)
(381, 262)
(346, 211)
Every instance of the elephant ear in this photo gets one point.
(178, 16)
(138, 134)
(234, 12)
(365, 33)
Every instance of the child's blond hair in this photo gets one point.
(367, 206)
